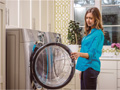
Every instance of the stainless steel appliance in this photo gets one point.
(48, 66)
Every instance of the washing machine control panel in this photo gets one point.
(58, 38)
(41, 37)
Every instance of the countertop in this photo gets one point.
(110, 58)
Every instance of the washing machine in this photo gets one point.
(37, 60)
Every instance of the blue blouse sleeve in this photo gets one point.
(97, 39)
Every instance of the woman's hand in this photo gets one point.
(75, 55)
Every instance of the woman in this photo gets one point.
(91, 49)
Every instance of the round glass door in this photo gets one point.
(52, 66)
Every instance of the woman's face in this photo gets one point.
(90, 19)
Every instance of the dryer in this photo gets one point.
(48, 66)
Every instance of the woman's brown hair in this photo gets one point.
(98, 19)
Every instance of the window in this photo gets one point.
(80, 8)
(111, 20)
(110, 16)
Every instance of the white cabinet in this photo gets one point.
(25, 14)
(43, 15)
(118, 66)
(12, 13)
(107, 80)
(2, 45)
(51, 15)
(77, 82)
(18, 13)
(35, 14)
(108, 77)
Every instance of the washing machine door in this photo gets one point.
(52, 66)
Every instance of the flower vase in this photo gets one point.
(116, 52)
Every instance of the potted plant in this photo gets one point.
(74, 35)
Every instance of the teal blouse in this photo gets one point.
(91, 44)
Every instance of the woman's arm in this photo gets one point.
(75, 55)
(84, 55)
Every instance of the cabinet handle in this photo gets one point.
(33, 23)
(8, 17)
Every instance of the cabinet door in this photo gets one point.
(51, 16)
(35, 15)
(2, 46)
(107, 80)
(77, 84)
(12, 12)
(44, 15)
(25, 14)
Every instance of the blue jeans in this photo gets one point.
(89, 79)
